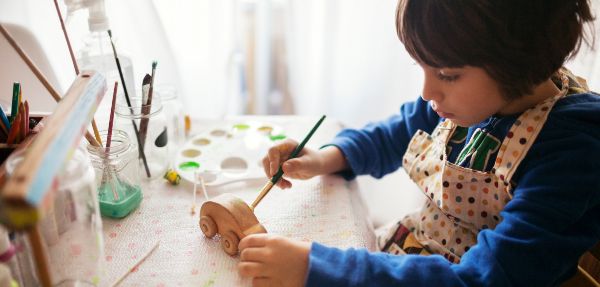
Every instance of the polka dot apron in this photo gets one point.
(461, 201)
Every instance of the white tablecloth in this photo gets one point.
(325, 209)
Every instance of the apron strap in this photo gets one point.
(527, 127)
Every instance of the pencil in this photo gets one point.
(135, 128)
(4, 118)
(23, 131)
(26, 118)
(15, 101)
(14, 131)
(279, 173)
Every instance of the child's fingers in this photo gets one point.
(274, 158)
(266, 167)
(254, 254)
(284, 183)
(253, 240)
(250, 269)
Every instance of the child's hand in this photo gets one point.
(307, 164)
(273, 260)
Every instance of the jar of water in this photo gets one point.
(146, 127)
(117, 175)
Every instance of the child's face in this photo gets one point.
(466, 95)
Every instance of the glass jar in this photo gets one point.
(117, 175)
(173, 110)
(146, 126)
(71, 228)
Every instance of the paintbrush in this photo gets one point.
(146, 103)
(135, 128)
(64, 29)
(108, 142)
(279, 173)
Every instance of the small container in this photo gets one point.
(71, 228)
(146, 126)
(117, 175)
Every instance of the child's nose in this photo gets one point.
(431, 92)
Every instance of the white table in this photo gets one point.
(326, 209)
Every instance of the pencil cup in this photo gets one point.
(71, 228)
(146, 127)
(117, 175)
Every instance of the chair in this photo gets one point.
(14, 69)
(588, 271)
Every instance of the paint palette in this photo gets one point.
(228, 153)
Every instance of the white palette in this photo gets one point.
(228, 153)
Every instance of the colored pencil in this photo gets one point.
(279, 173)
(14, 131)
(4, 118)
(15, 101)
(23, 130)
(26, 118)
(135, 128)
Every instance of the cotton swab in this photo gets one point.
(136, 265)
(197, 178)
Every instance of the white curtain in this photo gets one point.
(340, 58)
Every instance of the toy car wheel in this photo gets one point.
(208, 226)
(229, 242)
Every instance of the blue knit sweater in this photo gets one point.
(553, 218)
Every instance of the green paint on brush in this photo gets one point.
(277, 137)
(241, 127)
(189, 166)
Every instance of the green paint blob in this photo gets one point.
(277, 137)
(241, 127)
(189, 166)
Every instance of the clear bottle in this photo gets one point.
(96, 52)
(71, 228)
(146, 126)
(117, 175)
(173, 110)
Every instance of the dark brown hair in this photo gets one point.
(519, 43)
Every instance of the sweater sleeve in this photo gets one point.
(551, 220)
(378, 148)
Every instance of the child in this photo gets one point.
(503, 141)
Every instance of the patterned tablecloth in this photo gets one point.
(326, 209)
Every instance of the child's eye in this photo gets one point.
(447, 78)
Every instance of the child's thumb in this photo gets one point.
(292, 165)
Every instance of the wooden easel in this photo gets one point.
(30, 185)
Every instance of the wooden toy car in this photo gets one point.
(230, 217)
